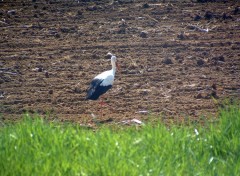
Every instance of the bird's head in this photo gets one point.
(113, 59)
(109, 55)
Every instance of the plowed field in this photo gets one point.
(178, 59)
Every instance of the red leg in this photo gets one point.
(101, 106)
(102, 102)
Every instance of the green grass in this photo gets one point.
(37, 147)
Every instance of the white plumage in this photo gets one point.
(107, 77)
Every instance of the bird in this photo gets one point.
(102, 82)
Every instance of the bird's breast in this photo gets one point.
(107, 77)
(108, 81)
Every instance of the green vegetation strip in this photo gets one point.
(37, 147)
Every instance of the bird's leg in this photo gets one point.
(101, 106)
(102, 102)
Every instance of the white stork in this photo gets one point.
(102, 82)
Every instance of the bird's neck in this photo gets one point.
(113, 67)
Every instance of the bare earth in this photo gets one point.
(177, 59)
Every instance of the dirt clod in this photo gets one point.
(146, 5)
(181, 36)
(208, 15)
(214, 86)
(167, 61)
(226, 16)
(92, 8)
(77, 90)
(144, 34)
(46, 74)
(197, 18)
(236, 10)
(122, 30)
(200, 62)
(218, 58)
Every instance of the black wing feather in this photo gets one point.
(95, 90)
(92, 88)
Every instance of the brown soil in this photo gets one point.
(170, 66)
